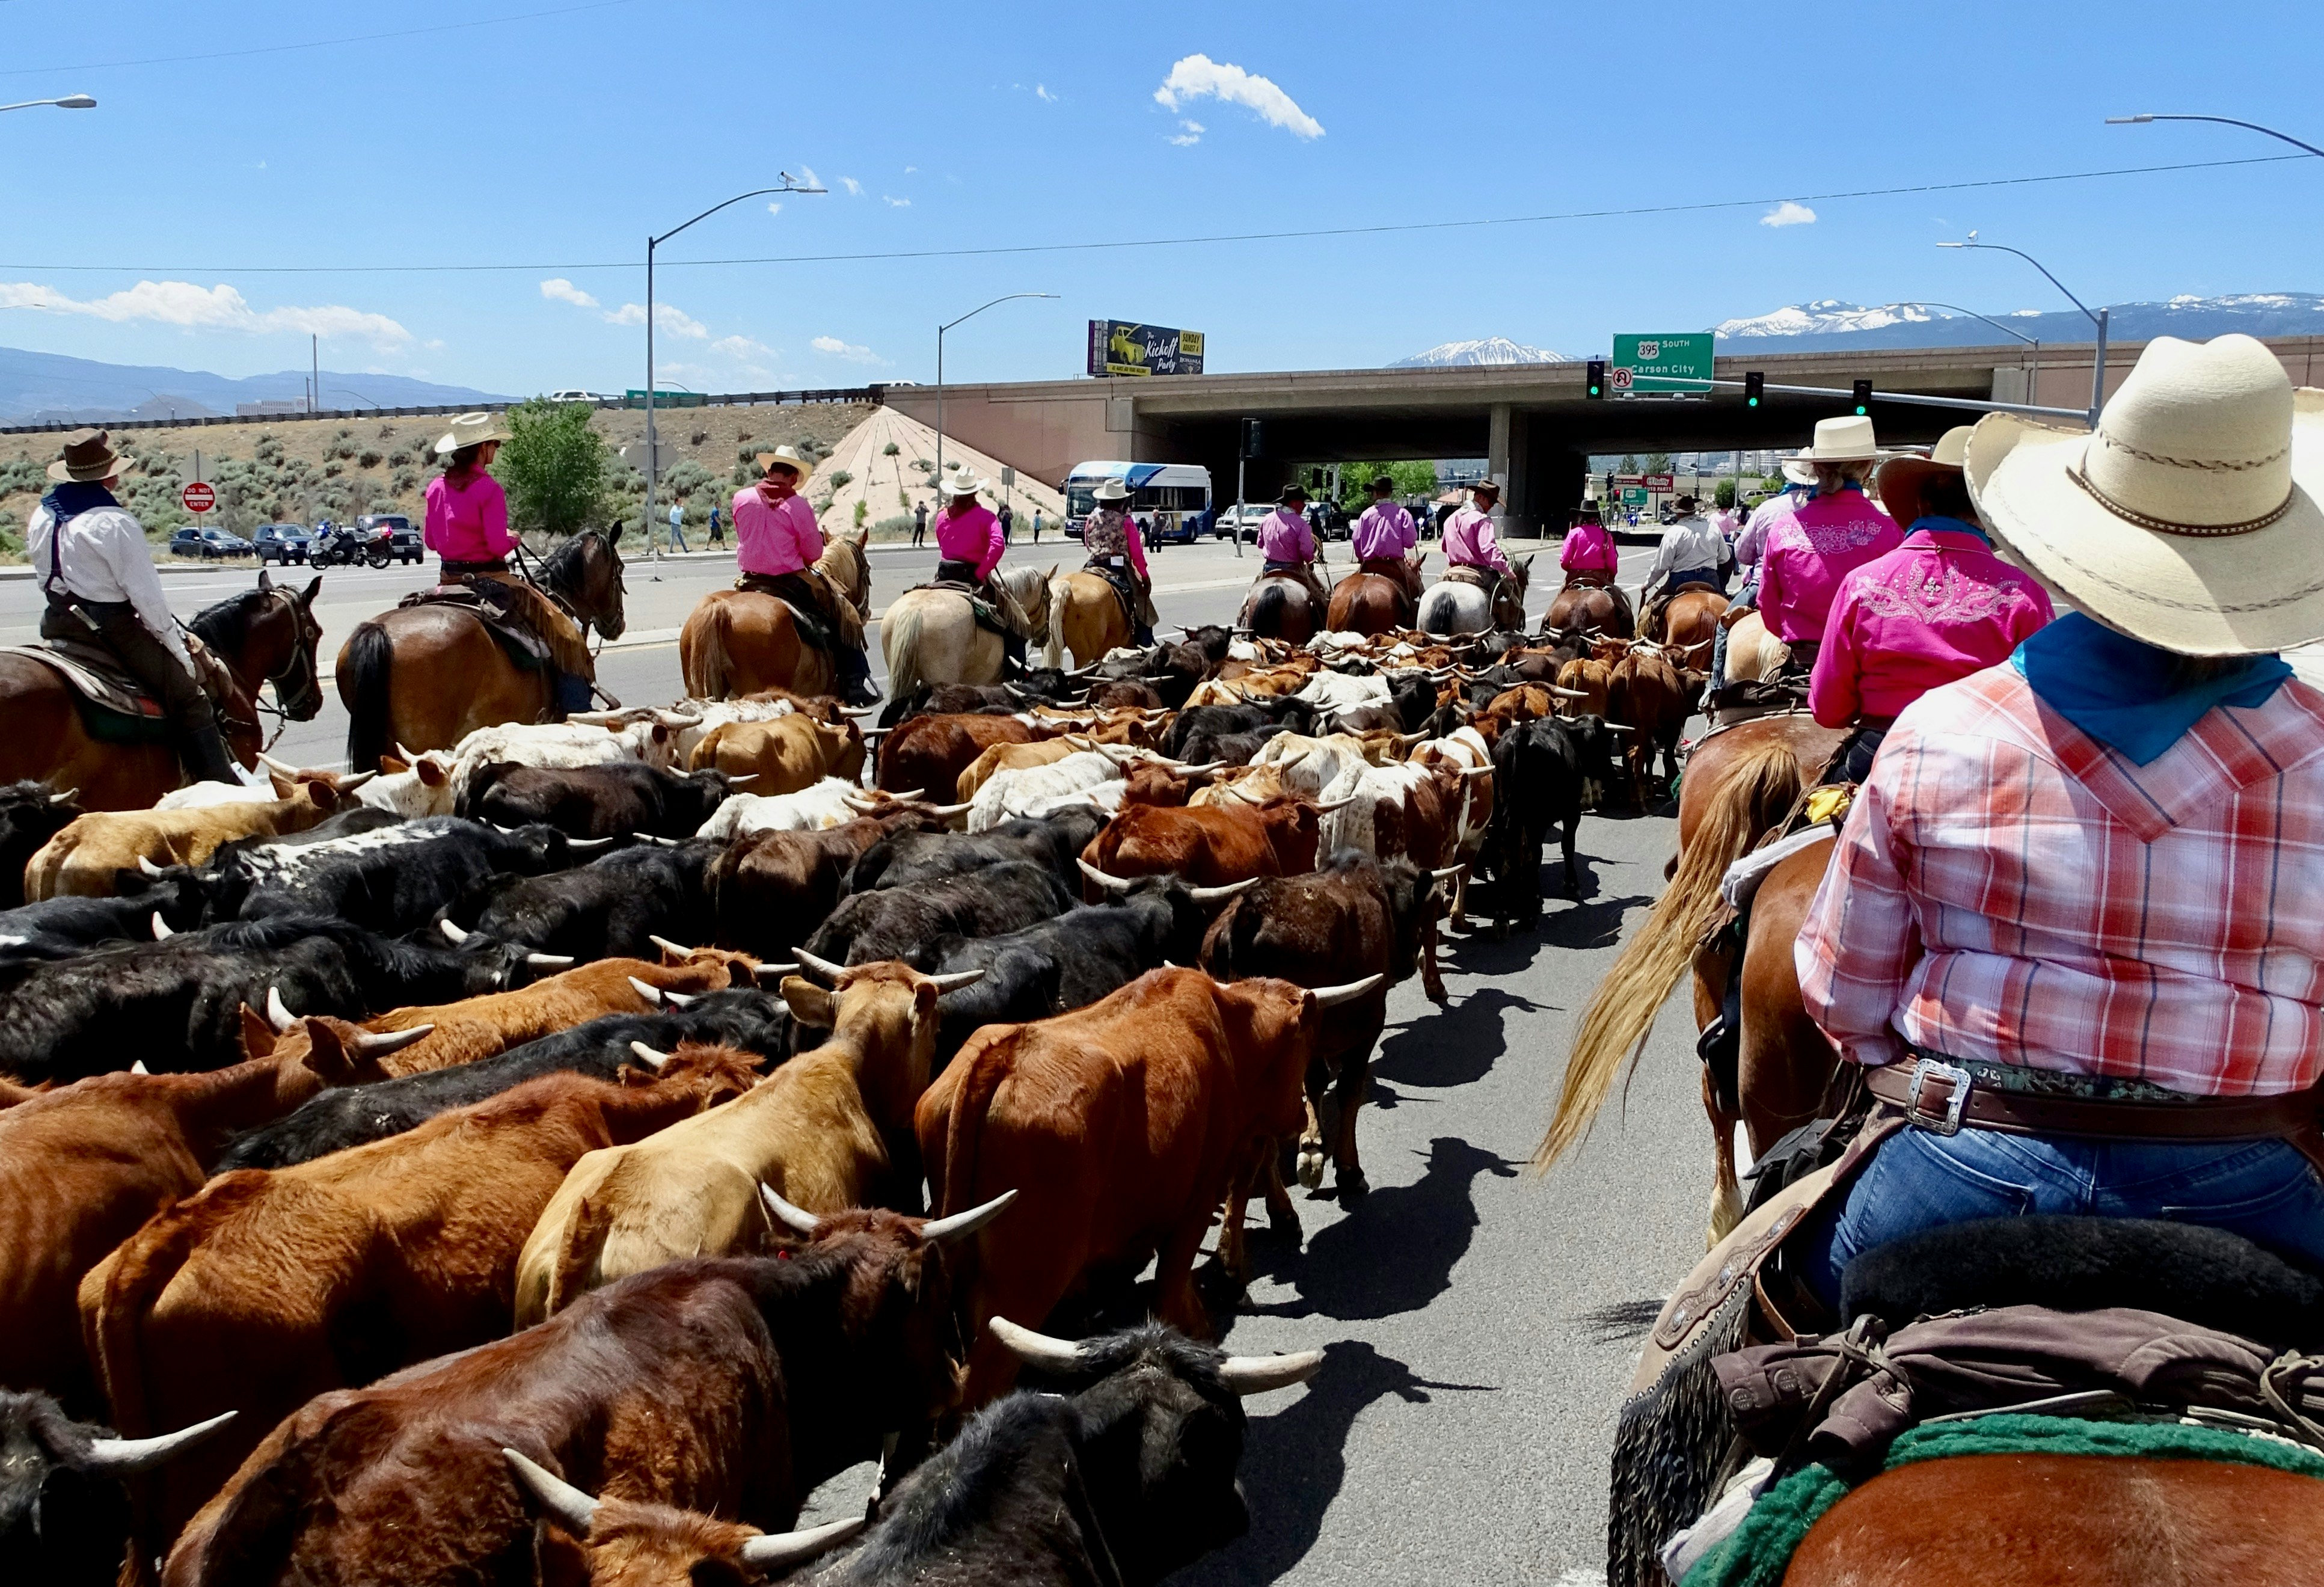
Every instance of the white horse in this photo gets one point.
(932, 636)
(1457, 606)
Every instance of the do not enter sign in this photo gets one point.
(199, 497)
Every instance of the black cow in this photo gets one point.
(907, 922)
(1235, 749)
(1261, 715)
(31, 812)
(1411, 707)
(66, 927)
(1067, 962)
(1124, 1477)
(608, 908)
(177, 1005)
(1541, 771)
(617, 799)
(907, 859)
(741, 1017)
(64, 1506)
(395, 879)
(1035, 685)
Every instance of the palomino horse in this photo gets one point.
(933, 636)
(265, 635)
(740, 641)
(1753, 654)
(1454, 605)
(1740, 783)
(1590, 605)
(428, 676)
(1279, 606)
(1367, 603)
(1086, 617)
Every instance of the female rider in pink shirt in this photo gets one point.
(1589, 554)
(776, 544)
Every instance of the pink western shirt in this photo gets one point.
(1589, 548)
(971, 536)
(1811, 547)
(774, 537)
(467, 518)
(1469, 541)
(1384, 530)
(1937, 607)
(1284, 537)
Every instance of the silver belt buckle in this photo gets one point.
(1947, 1121)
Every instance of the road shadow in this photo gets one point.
(1428, 1224)
(1595, 924)
(1455, 1044)
(1293, 1463)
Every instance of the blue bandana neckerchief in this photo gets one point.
(1938, 523)
(72, 497)
(1809, 493)
(2118, 690)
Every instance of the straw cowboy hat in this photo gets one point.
(962, 481)
(1847, 439)
(1900, 479)
(2190, 518)
(1109, 490)
(89, 455)
(471, 429)
(790, 458)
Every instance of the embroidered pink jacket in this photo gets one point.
(1937, 607)
(1810, 548)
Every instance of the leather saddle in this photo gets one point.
(1123, 585)
(111, 698)
(988, 616)
(500, 617)
(1483, 578)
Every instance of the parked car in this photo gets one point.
(209, 544)
(281, 542)
(404, 543)
(1246, 528)
(575, 394)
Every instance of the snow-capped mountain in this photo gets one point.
(1490, 350)
(1830, 323)
(1827, 317)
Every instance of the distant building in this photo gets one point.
(270, 408)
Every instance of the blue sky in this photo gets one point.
(557, 141)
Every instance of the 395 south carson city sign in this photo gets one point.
(1650, 364)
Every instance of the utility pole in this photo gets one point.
(315, 368)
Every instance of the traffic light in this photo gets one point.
(1754, 387)
(1863, 397)
(1253, 436)
(1597, 391)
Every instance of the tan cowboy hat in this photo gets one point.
(1109, 490)
(961, 480)
(89, 455)
(1493, 486)
(1900, 479)
(790, 458)
(1847, 439)
(471, 429)
(2190, 518)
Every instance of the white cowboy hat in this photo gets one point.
(790, 458)
(1847, 439)
(1109, 490)
(1900, 479)
(962, 481)
(471, 429)
(2190, 518)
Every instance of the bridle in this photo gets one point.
(295, 688)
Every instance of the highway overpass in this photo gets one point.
(1532, 422)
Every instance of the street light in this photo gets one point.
(791, 185)
(972, 314)
(358, 396)
(2098, 371)
(2032, 342)
(70, 102)
(2140, 120)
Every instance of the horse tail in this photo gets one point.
(1267, 611)
(1757, 793)
(899, 638)
(706, 664)
(364, 672)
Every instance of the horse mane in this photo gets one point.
(561, 570)
(226, 626)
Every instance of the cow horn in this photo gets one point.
(1448, 872)
(1324, 809)
(284, 767)
(149, 868)
(161, 932)
(909, 793)
(378, 1044)
(773, 1553)
(139, 1068)
(667, 946)
(1035, 1350)
(549, 961)
(1471, 773)
(820, 966)
(1211, 895)
(1205, 770)
(1404, 740)
(278, 1012)
(739, 781)
(798, 1220)
(123, 1456)
(563, 1503)
(1020, 693)
(860, 712)
(1157, 677)
(960, 1225)
(349, 784)
(648, 990)
(1566, 694)
(65, 798)
(594, 718)
(650, 1057)
(853, 803)
(949, 811)
(679, 999)
(1111, 883)
(956, 980)
(760, 971)
(452, 933)
(590, 844)
(1257, 1374)
(1619, 727)
(1332, 997)
(660, 843)
(405, 755)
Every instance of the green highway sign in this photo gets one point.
(1647, 366)
(1634, 495)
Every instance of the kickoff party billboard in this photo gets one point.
(1119, 347)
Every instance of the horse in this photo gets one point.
(1454, 605)
(1368, 603)
(1279, 606)
(1687, 621)
(428, 676)
(1588, 608)
(1753, 654)
(1086, 617)
(933, 636)
(740, 641)
(265, 635)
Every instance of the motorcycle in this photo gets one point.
(373, 548)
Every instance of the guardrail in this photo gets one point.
(875, 395)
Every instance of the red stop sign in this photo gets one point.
(199, 497)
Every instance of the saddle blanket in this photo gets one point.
(1741, 882)
(525, 648)
(93, 672)
(988, 616)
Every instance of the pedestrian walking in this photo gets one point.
(718, 528)
(919, 523)
(678, 528)
(1037, 526)
(1008, 523)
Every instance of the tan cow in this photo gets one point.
(84, 859)
(785, 754)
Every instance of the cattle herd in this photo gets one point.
(550, 1159)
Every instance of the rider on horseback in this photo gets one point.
(467, 528)
(1820, 534)
(1588, 555)
(969, 546)
(1286, 545)
(1937, 607)
(1384, 537)
(2073, 924)
(98, 574)
(776, 545)
(1118, 555)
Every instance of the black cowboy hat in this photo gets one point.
(1290, 491)
(1383, 483)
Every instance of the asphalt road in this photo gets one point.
(1460, 1428)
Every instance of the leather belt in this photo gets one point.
(497, 565)
(1945, 1098)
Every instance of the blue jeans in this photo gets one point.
(1748, 595)
(2263, 1190)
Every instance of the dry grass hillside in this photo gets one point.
(301, 470)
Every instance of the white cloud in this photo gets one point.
(807, 179)
(1192, 134)
(847, 350)
(774, 207)
(219, 308)
(854, 189)
(676, 321)
(1789, 213)
(557, 290)
(1198, 76)
(896, 203)
(911, 171)
(1041, 91)
(741, 347)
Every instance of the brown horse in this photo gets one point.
(429, 676)
(1086, 617)
(1279, 607)
(1589, 608)
(1688, 623)
(1367, 603)
(740, 641)
(265, 635)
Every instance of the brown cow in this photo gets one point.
(786, 754)
(732, 1387)
(267, 1287)
(1012, 757)
(930, 752)
(1690, 622)
(630, 1543)
(1527, 702)
(769, 890)
(84, 859)
(1647, 696)
(1208, 847)
(1122, 1126)
(1588, 679)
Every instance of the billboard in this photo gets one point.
(1647, 366)
(1116, 346)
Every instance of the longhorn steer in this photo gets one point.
(64, 1506)
(87, 858)
(617, 799)
(1208, 847)
(784, 756)
(770, 891)
(613, 906)
(930, 752)
(907, 859)
(64, 929)
(1461, 752)
(905, 922)
(393, 880)
(31, 812)
(1541, 771)
(1647, 696)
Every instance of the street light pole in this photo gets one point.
(972, 314)
(2034, 378)
(653, 553)
(2098, 366)
(2142, 118)
(70, 102)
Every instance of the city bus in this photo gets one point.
(1170, 500)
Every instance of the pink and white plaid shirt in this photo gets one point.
(2008, 889)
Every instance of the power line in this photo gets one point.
(1632, 212)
